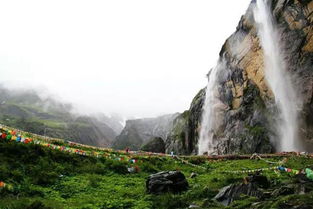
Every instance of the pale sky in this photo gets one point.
(138, 58)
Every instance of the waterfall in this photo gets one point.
(277, 77)
(205, 144)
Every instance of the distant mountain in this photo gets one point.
(27, 110)
(114, 121)
(138, 132)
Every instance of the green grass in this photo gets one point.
(45, 178)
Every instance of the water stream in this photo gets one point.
(205, 144)
(277, 77)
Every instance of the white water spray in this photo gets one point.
(277, 77)
(209, 114)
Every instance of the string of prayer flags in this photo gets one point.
(133, 161)
(288, 170)
(309, 173)
(253, 170)
(6, 186)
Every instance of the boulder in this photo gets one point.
(250, 187)
(166, 181)
(303, 184)
(284, 190)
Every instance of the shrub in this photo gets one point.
(149, 168)
(37, 205)
(46, 178)
(116, 166)
(94, 180)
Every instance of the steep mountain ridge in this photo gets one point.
(137, 132)
(247, 110)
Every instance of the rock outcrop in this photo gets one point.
(182, 139)
(166, 181)
(138, 132)
(248, 109)
(252, 187)
(155, 144)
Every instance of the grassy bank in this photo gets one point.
(46, 178)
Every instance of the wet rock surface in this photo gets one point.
(247, 105)
(183, 137)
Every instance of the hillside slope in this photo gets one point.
(40, 176)
(26, 110)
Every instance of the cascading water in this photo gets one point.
(205, 144)
(277, 77)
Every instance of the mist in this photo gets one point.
(135, 58)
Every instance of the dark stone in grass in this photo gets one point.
(304, 185)
(292, 206)
(193, 175)
(232, 192)
(301, 178)
(166, 181)
(258, 179)
(284, 190)
(250, 187)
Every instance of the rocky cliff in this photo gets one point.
(247, 108)
(182, 138)
(140, 131)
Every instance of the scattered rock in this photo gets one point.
(285, 190)
(131, 170)
(166, 181)
(229, 193)
(250, 187)
(301, 178)
(304, 185)
(258, 179)
(193, 175)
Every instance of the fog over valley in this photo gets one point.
(134, 58)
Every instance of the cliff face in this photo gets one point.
(138, 132)
(182, 139)
(247, 108)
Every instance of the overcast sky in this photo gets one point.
(138, 58)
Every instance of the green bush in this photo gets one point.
(117, 204)
(168, 201)
(46, 178)
(37, 205)
(94, 180)
(148, 168)
(116, 166)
